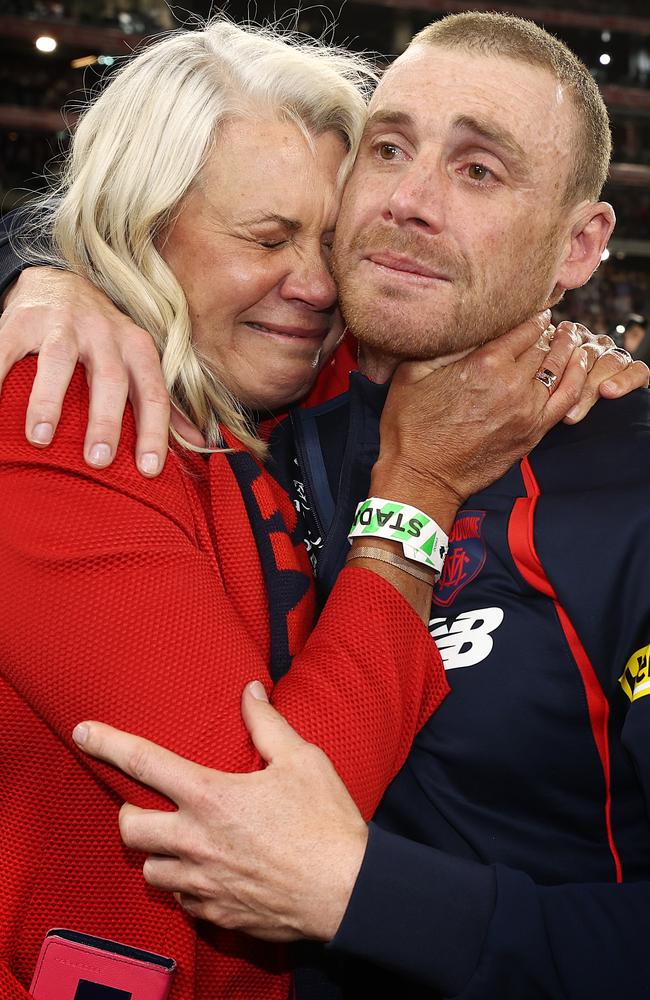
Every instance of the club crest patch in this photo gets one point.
(465, 558)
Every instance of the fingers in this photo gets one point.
(13, 345)
(123, 364)
(82, 324)
(150, 830)
(568, 389)
(554, 360)
(519, 340)
(272, 735)
(613, 375)
(147, 762)
(168, 873)
(55, 367)
(186, 428)
(150, 401)
(109, 389)
(625, 378)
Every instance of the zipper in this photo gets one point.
(304, 467)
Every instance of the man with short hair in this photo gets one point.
(511, 856)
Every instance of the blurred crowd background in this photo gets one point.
(53, 52)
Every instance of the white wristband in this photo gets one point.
(421, 538)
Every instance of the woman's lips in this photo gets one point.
(405, 266)
(296, 332)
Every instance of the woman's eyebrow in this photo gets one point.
(280, 220)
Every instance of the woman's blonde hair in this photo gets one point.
(142, 143)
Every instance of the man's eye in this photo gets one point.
(271, 244)
(388, 151)
(477, 172)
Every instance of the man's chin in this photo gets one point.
(387, 327)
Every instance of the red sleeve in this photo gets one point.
(116, 607)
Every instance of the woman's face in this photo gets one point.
(250, 248)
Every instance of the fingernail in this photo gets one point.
(42, 433)
(256, 688)
(80, 734)
(149, 463)
(100, 454)
(611, 387)
(573, 413)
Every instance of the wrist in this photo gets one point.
(346, 862)
(432, 496)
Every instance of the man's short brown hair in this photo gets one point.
(494, 34)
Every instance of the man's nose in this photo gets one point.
(417, 198)
(310, 281)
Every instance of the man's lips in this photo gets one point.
(297, 332)
(406, 265)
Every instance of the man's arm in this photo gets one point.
(11, 264)
(456, 927)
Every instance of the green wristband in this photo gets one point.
(422, 540)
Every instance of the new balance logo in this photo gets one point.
(467, 639)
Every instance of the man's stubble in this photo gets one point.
(475, 306)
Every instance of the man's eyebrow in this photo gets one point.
(493, 133)
(384, 116)
(280, 220)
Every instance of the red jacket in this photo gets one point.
(142, 603)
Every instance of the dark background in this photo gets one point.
(39, 92)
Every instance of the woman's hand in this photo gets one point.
(447, 432)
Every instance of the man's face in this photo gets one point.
(452, 226)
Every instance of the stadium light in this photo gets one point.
(45, 43)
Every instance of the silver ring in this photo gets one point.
(547, 378)
(622, 352)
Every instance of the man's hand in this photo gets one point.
(274, 853)
(65, 319)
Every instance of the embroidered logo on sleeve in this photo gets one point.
(635, 679)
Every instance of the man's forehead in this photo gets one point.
(426, 78)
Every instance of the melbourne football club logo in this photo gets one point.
(465, 558)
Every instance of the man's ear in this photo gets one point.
(588, 238)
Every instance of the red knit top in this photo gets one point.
(142, 603)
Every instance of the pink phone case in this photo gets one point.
(76, 966)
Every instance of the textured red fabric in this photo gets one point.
(141, 603)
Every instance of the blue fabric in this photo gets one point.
(501, 804)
